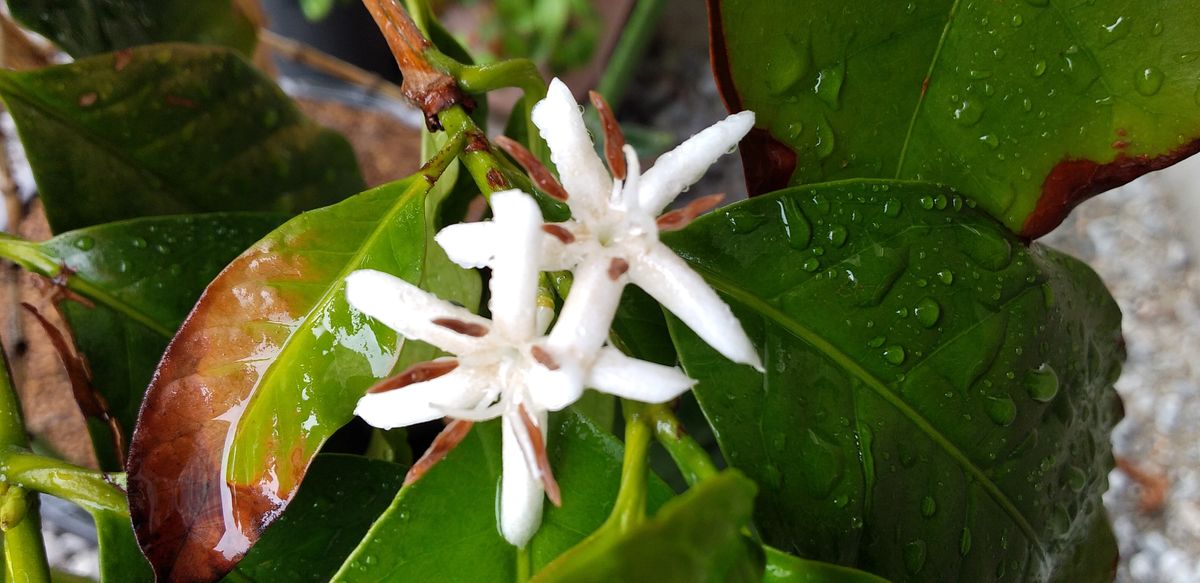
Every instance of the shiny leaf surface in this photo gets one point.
(266, 367)
(340, 497)
(693, 539)
(170, 129)
(938, 395)
(785, 568)
(143, 275)
(443, 527)
(88, 27)
(1030, 107)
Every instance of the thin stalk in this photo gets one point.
(24, 551)
(89, 489)
(691, 459)
(630, 507)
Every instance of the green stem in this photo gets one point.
(691, 459)
(627, 54)
(90, 489)
(24, 553)
(630, 507)
(524, 564)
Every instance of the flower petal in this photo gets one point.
(410, 310)
(556, 386)
(683, 166)
(580, 169)
(420, 402)
(630, 378)
(586, 316)
(521, 492)
(515, 269)
(667, 277)
(470, 245)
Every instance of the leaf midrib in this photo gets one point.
(808, 336)
(937, 54)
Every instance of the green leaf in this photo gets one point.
(938, 395)
(268, 365)
(170, 129)
(785, 568)
(443, 527)
(340, 498)
(693, 538)
(143, 275)
(1030, 107)
(88, 27)
(120, 558)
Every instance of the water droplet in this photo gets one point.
(964, 542)
(1042, 384)
(1076, 479)
(122, 266)
(914, 556)
(892, 207)
(1027, 104)
(1017, 21)
(894, 354)
(1149, 81)
(991, 140)
(1039, 68)
(928, 506)
(1115, 31)
(979, 73)
(1158, 28)
(162, 248)
(744, 222)
(811, 264)
(946, 276)
(829, 84)
(85, 243)
(940, 201)
(1187, 57)
(837, 235)
(175, 270)
(926, 202)
(927, 312)
(968, 112)
(876, 342)
(796, 227)
(138, 243)
(818, 251)
(1001, 409)
(825, 138)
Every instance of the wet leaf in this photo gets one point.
(143, 276)
(88, 27)
(266, 367)
(340, 498)
(693, 538)
(170, 129)
(443, 527)
(1030, 107)
(938, 395)
(785, 568)
(120, 558)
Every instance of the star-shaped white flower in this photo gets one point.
(503, 367)
(612, 237)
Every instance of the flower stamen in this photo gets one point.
(442, 445)
(417, 373)
(537, 172)
(617, 267)
(543, 357)
(464, 328)
(680, 218)
(559, 232)
(543, 461)
(614, 139)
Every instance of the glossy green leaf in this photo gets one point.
(268, 365)
(88, 27)
(785, 568)
(340, 497)
(443, 527)
(693, 539)
(143, 275)
(120, 558)
(938, 395)
(1029, 106)
(170, 129)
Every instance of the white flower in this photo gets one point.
(503, 367)
(612, 237)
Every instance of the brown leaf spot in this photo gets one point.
(464, 328)
(88, 99)
(614, 140)
(543, 461)
(544, 358)
(121, 59)
(496, 180)
(476, 142)
(1071, 182)
(442, 445)
(559, 232)
(533, 167)
(417, 373)
(617, 267)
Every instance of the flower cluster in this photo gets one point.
(511, 367)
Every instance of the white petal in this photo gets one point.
(559, 256)
(556, 389)
(630, 378)
(631, 195)
(667, 277)
(410, 310)
(518, 241)
(470, 245)
(521, 493)
(580, 169)
(683, 166)
(420, 402)
(586, 316)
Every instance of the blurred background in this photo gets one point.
(651, 58)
